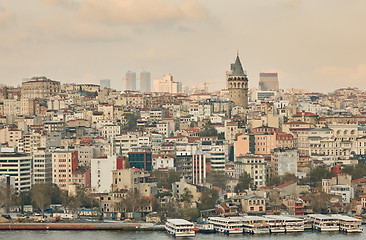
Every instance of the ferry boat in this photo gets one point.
(349, 224)
(308, 223)
(276, 225)
(293, 224)
(324, 223)
(204, 228)
(180, 228)
(255, 224)
(226, 225)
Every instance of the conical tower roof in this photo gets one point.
(237, 68)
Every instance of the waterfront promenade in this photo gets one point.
(82, 226)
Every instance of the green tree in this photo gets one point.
(274, 181)
(192, 213)
(243, 182)
(186, 196)
(319, 173)
(208, 198)
(288, 177)
(131, 121)
(165, 180)
(217, 179)
(208, 131)
(357, 171)
(319, 202)
(81, 200)
(41, 195)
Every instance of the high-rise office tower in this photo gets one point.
(268, 81)
(131, 81)
(105, 83)
(237, 83)
(145, 81)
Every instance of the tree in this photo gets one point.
(165, 180)
(132, 202)
(243, 182)
(41, 195)
(186, 196)
(288, 177)
(274, 181)
(131, 121)
(7, 194)
(357, 171)
(217, 179)
(208, 131)
(319, 202)
(319, 173)
(208, 198)
(192, 213)
(80, 199)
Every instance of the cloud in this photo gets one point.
(4, 16)
(356, 74)
(141, 11)
(291, 4)
(61, 3)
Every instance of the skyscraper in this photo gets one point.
(105, 83)
(237, 84)
(131, 81)
(268, 81)
(145, 81)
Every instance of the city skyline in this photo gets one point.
(310, 44)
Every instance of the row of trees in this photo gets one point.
(42, 195)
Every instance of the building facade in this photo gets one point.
(268, 81)
(237, 83)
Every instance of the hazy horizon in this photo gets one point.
(316, 45)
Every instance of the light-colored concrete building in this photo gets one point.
(39, 87)
(101, 173)
(18, 166)
(64, 163)
(42, 166)
(254, 165)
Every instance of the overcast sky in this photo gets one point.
(314, 44)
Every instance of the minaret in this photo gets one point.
(237, 83)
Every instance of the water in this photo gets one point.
(126, 235)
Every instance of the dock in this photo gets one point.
(82, 226)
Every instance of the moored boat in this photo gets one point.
(204, 228)
(255, 224)
(226, 225)
(349, 224)
(324, 223)
(180, 228)
(276, 225)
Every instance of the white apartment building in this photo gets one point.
(109, 131)
(286, 161)
(101, 173)
(18, 166)
(42, 166)
(254, 165)
(217, 153)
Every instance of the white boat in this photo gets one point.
(324, 223)
(293, 224)
(276, 225)
(180, 228)
(308, 224)
(349, 224)
(255, 224)
(226, 225)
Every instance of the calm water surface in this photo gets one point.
(109, 235)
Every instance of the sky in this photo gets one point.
(312, 44)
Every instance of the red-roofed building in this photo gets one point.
(307, 117)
